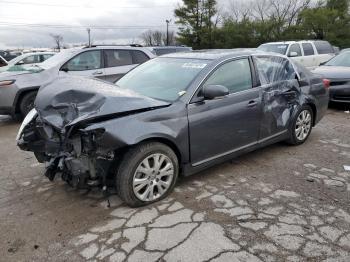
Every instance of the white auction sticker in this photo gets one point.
(194, 65)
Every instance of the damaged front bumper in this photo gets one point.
(73, 153)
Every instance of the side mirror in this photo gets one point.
(210, 92)
(20, 63)
(64, 69)
(293, 54)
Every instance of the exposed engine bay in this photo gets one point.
(76, 157)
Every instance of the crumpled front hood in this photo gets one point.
(70, 100)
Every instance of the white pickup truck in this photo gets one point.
(310, 53)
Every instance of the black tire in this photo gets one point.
(27, 103)
(130, 162)
(293, 139)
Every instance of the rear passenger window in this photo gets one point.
(118, 58)
(323, 47)
(234, 75)
(274, 69)
(308, 49)
(139, 57)
(295, 48)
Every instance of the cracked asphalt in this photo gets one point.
(280, 203)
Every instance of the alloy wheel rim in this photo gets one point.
(153, 177)
(303, 125)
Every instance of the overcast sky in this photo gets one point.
(29, 23)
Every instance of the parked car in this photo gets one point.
(30, 59)
(9, 55)
(344, 50)
(164, 50)
(337, 70)
(19, 85)
(176, 114)
(3, 62)
(308, 53)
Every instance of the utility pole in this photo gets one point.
(89, 30)
(167, 31)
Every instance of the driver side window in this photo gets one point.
(89, 60)
(235, 76)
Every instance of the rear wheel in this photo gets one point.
(27, 103)
(147, 173)
(302, 126)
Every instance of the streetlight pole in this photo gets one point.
(89, 36)
(167, 31)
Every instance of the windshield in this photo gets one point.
(59, 58)
(342, 59)
(276, 48)
(163, 78)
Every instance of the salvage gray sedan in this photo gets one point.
(176, 114)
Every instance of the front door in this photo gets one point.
(88, 63)
(221, 126)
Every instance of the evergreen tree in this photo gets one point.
(195, 18)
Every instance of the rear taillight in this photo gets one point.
(326, 83)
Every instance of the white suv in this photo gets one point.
(309, 53)
(19, 85)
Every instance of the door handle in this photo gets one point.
(252, 103)
(97, 73)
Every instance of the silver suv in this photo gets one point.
(18, 86)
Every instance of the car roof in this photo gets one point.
(169, 47)
(128, 47)
(215, 54)
(39, 53)
(292, 42)
(120, 47)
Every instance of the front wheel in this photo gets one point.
(302, 126)
(146, 174)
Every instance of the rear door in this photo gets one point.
(117, 63)
(280, 94)
(221, 126)
(295, 53)
(88, 63)
(310, 58)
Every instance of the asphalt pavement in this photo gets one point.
(280, 203)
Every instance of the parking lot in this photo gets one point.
(280, 203)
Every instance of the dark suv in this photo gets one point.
(176, 114)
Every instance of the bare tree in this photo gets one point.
(147, 37)
(58, 41)
(157, 37)
(281, 11)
